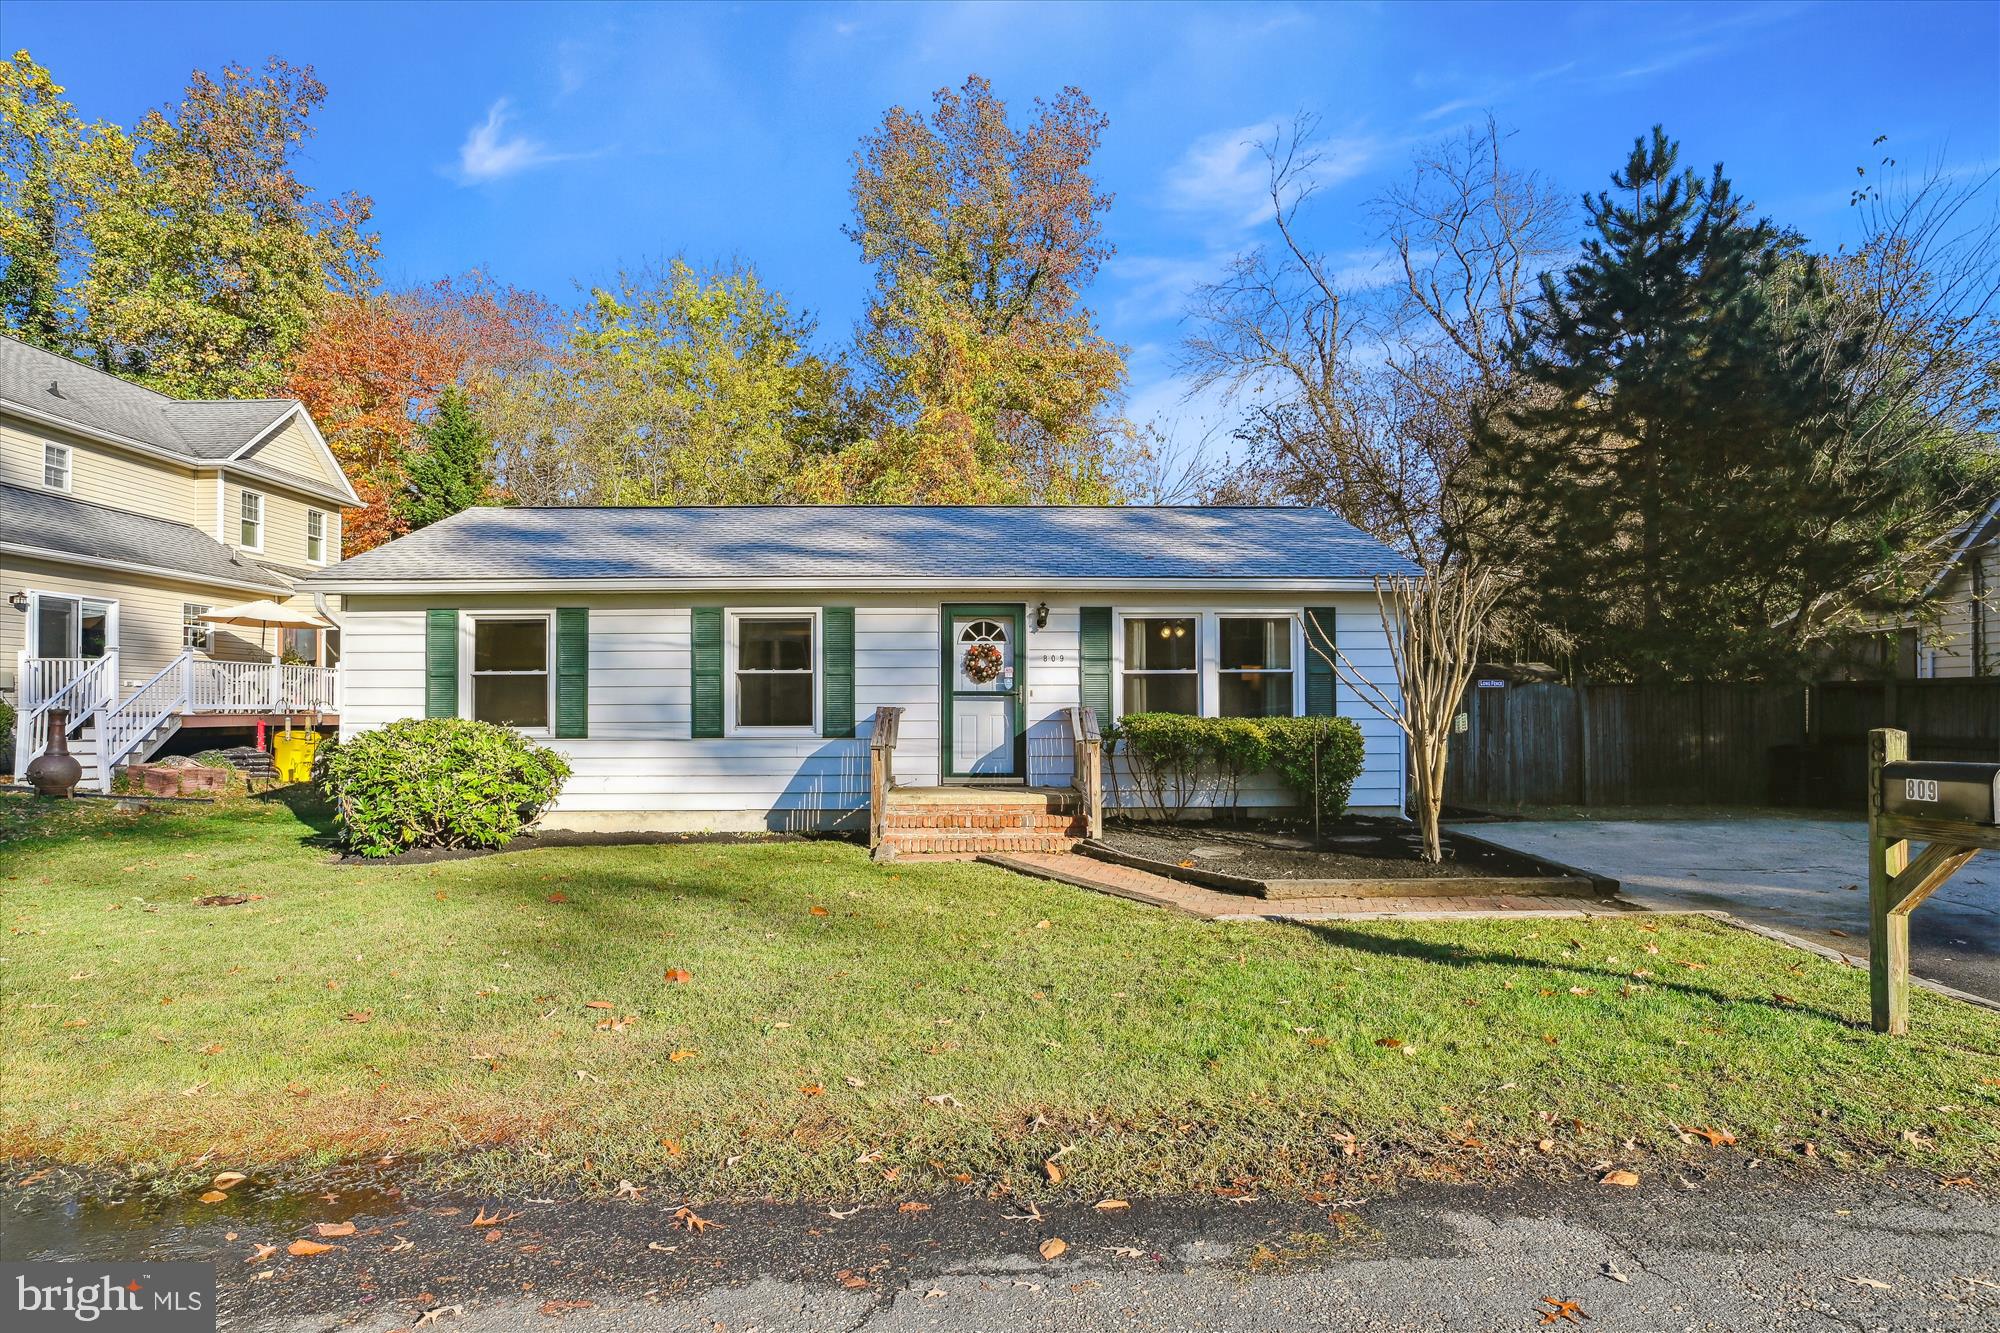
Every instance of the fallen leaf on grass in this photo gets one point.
(812, 1089)
(334, 1228)
(599, 1004)
(1053, 1172)
(854, 1082)
(228, 1180)
(679, 976)
(679, 1056)
(358, 1016)
(306, 1248)
(1621, 1177)
(1717, 1138)
(1560, 1310)
(559, 897)
(1053, 1248)
(944, 1099)
(222, 900)
(1784, 999)
(1391, 1042)
(1868, 1282)
(817, 910)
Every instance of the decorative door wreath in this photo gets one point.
(982, 663)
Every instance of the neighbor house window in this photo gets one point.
(196, 633)
(315, 536)
(1254, 667)
(774, 671)
(55, 466)
(252, 513)
(1162, 665)
(510, 671)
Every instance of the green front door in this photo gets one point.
(983, 688)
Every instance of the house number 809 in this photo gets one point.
(1920, 789)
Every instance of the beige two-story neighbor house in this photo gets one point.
(126, 516)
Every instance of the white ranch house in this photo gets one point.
(728, 668)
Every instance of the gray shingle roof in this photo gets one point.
(67, 526)
(827, 544)
(93, 400)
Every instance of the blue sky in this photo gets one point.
(551, 143)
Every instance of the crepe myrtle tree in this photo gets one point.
(1435, 622)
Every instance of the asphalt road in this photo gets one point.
(1717, 1243)
(1805, 876)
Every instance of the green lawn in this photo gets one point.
(964, 1024)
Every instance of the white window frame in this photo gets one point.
(1208, 651)
(732, 641)
(469, 643)
(33, 630)
(1204, 689)
(315, 519)
(68, 482)
(243, 497)
(189, 612)
(1297, 670)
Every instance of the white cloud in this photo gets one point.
(487, 156)
(1226, 174)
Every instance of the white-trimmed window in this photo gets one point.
(196, 633)
(250, 513)
(315, 537)
(1254, 672)
(1162, 667)
(56, 462)
(774, 672)
(511, 678)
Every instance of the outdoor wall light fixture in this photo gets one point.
(19, 601)
(1041, 615)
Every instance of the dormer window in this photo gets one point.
(252, 515)
(55, 465)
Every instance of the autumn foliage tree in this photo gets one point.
(373, 366)
(987, 378)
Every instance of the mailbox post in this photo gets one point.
(1953, 807)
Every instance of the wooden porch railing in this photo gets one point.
(1088, 761)
(881, 769)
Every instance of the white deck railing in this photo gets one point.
(83, 685)
(259, 687)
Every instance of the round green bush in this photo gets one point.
(438, 782)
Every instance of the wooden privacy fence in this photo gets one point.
(1705, 744)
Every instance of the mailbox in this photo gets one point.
(1969, 793)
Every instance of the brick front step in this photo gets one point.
(983, 818)
(964, 842)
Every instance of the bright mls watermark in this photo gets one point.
(155, 1298)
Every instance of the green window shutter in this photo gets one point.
(1094, 658)
(707, 671)
(441, 662)
(836, 714)
(572, 672)
(1320, 694)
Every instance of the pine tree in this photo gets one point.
(450, 470)
(1657, 458)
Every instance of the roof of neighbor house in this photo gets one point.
(867, 543)
(44, 521)
(52, 385)
(1967, 539)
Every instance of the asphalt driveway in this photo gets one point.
(1805, 876)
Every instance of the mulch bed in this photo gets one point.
(1357, 854)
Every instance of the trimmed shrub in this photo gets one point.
(1178, 756)
(1318, 757)
(7, 717)
(437, 782)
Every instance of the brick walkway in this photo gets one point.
(1212, 905)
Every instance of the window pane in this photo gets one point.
(512, 701)
(55, 627)
(1256, 643)
(510, 645)
(1256, 694)
(1160, 644)
(94, 634)
(774, 645)
(1159, 694)
(55, 466)
(774, 701)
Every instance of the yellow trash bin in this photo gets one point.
(292, 754)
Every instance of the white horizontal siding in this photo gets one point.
(640, 758)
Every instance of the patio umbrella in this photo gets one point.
(264, 614)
